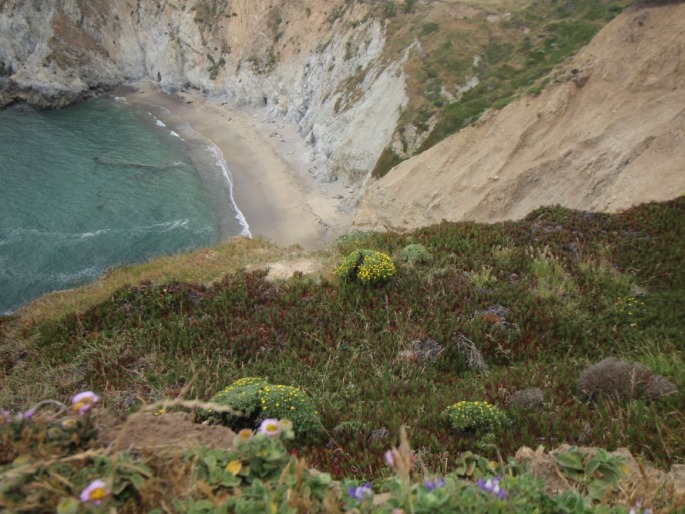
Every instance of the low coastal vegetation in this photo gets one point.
(464, 64)
(564, 327)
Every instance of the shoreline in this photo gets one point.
(272, 186)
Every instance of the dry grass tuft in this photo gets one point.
(617, 379)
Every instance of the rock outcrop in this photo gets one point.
(315, 63)
(606, 137)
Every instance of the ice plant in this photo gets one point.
(491, 485)
(434, 484)
(270, 427)
(95, 493)
(83, 402)
(360, 492)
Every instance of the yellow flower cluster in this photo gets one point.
(629, 306)
(239, 394)
(243, 382)
(367, 266)
(257, 399)
(281, 398)
(474, 415)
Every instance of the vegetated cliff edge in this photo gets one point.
(609, 137)
(294, 57)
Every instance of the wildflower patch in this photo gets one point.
(261, 402)
(366, 266)
(475, 416)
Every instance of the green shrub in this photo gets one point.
(387, 161)
(259, 400)
(366, 266)
(428, 28)
(414, 254)
(475, 416)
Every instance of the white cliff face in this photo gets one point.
(310, 62)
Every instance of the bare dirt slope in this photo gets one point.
(610, 136)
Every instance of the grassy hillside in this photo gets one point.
(498, 309)
(470, 58)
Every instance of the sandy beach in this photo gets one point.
(272, 183)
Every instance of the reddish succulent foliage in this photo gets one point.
(342, 343)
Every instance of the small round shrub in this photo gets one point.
(532, 398)
(366, 266)
(617, 379)
(258, 400)
(415, 254)
(475, 416)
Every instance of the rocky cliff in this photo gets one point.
(357, 77)
(607, 136)
(297, 58)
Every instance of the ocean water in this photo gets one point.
(102, 184)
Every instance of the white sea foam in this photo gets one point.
(120, 99)
(171, 225)
(227, 176)
(165, 225)
(87, 235)
(184, 128)
(68, 278)
(160, 123)
(18, 233)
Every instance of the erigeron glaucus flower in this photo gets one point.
(83, 402)
(5, 417)
(245, 434)
(360, 492)
(95, 493)
(270, 427)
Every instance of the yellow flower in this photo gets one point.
(245, 434)
(234, 467)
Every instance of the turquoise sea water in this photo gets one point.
(102, 184)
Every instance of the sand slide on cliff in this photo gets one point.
(610, 136)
